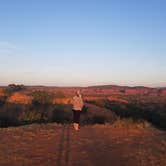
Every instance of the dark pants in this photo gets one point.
(76, 116)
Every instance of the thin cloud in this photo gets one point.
(7, 44)
(7, 48)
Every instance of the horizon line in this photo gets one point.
(88, 86)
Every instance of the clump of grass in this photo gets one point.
(30, 116)
(130, 123)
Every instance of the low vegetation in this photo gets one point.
(42, 97)
(13, 88)
(138, 110)
(43, 109)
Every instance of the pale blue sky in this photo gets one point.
(83, 42)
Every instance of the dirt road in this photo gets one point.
(94, 145)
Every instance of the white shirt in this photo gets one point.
(77, 103)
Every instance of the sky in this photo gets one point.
(83, 42)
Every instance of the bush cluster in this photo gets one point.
(42, 97)
(13, 88)
(155, 113)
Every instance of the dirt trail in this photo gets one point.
(97, 145)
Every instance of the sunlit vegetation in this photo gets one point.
(42, 97)
(43, 109)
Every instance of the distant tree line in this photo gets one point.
(13, 88)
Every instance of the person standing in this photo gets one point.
(77, 103)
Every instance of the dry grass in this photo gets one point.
(130, 123)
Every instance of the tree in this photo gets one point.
(13, 88)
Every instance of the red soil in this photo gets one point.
(54, 145)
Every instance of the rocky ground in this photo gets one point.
(94, 145)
